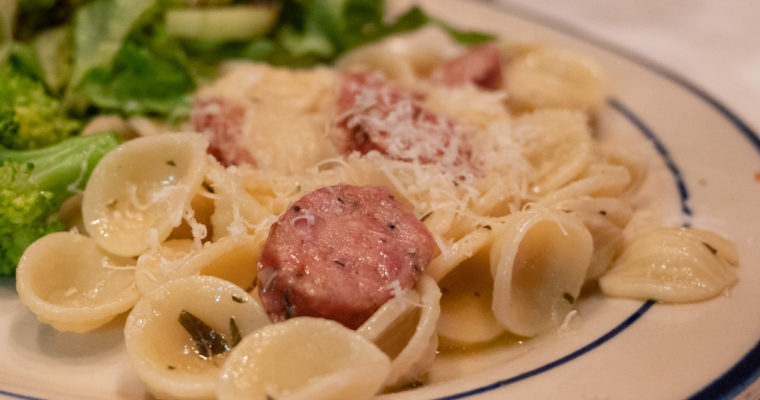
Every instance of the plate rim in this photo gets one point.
(745, 370)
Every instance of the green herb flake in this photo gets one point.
(237, 299)
(171, 367)
(207, 341)
(712, 249)
(567, 296)
(235, 336)
(208, 187)
(426, 216)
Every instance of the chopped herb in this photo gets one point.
(392, 226)
(602, 212)
(413, 385)
(171, 367)
(296, 208)
(488, 227)
(207, 186)
(566, 210)
(234, 333)
(339, 263)
(171, 163)
(207, 341)
(567, 296)
(238, 299)
(424, 217)
(712, 249)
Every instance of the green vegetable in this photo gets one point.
(55, 56)
(140, 81)
(320, 30)
(235, 336)
(36, 15)
(34, 184)
(23, 60)
(207, 341)
(7, 19)
(125, 62)
(100, 28)
(221, 23)
(29, 117)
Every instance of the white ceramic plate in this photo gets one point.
(708, 162)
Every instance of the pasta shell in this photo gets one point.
(549, 77)
(232, 258)
(466, 316)
(137, 193)
(598, 180)
(235, 211)
(673, 265)
(69, 283)
(405, 329)
(538, 262)
(164, 353)
(605, 219)
(403, 58)
(557, 144)
(303, 358)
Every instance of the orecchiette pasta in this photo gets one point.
(466, 316)
(539, 264)
(303, 358)
(71, 284)
(557, 144)
(549, 77)
(137, 194)
(673, 265)
(229, 258)
(170, 357)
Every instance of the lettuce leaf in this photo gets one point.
(318, 31)
(149, 75)
(100, 28)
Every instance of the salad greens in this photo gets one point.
(63, 62)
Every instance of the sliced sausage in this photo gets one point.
(339, 252)
(222, 123)
(480, 66)
(374, 114)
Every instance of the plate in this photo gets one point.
(706, 171)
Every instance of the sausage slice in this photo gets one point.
(338, 252)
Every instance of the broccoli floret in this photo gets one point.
(34, 184)
(29, 117)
